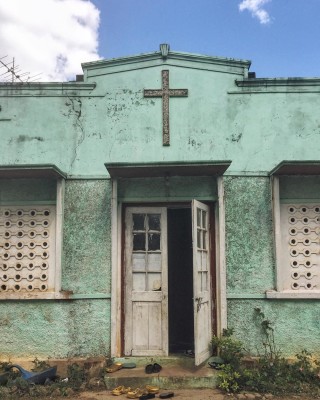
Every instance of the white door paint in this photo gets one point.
(201, 281)
(146, 286)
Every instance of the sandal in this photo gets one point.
(117, 391)
(135, 394)
(149, 369)
(114, 367)
(152, 389)
(153, 368)
(157, 367)
(147, 396)
(166, 395)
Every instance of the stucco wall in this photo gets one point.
(249, 235)
(55, 329)
(74, 327)
(87, 232)
(296, 324)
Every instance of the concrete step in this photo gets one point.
(176, 373)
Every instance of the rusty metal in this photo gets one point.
(165, 93)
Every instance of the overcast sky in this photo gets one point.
(53, 37)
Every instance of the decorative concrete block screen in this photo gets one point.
(27, 249)
(300, 224)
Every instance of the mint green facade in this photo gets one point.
(81, 126)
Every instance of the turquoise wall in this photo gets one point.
(79, 126)
(87, 237)
(55, 329)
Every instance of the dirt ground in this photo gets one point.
(194, 394)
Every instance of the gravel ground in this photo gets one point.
(194, 394)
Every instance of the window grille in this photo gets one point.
(300, 226)
(27, 249)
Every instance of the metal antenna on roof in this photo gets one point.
(12, 73)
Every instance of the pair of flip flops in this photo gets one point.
(153, 368)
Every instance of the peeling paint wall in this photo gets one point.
(81, 126)
(296, 324)
(55, 329)
(249, 235)
(87, 233)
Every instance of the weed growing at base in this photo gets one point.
(271, 372)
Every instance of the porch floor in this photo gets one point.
(178, 372)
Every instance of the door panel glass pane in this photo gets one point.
(198, 217)
(138, 261)
(153, 241)
(199, 239)
(204, 220)
(154, 262)
(139, 241)
(204, 260)
(154, 222)
(138, 222)
(204, 239)
(139, 282)
(199, 260)
(154, 281)
(204, 281)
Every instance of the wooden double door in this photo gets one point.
(167, 282)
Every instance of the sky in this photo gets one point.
(53, 37)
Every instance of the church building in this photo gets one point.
(155, 201)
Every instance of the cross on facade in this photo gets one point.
(165, 93)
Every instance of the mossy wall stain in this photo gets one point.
(74, 328)
(249, 235)
(296, 324)
(87, 243)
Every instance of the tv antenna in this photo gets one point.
(12, 73)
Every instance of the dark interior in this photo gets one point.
(180, 280)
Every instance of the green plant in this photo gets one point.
(229, 349)
(39, 365)
(270, 349)
(228, 379)
(76, 375)
(272, 372)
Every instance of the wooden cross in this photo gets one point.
(165, 93)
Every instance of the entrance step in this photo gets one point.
(177, 373)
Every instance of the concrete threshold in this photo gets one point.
(176, 373)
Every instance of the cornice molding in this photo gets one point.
(45, 89)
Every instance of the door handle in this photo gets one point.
(199, 302)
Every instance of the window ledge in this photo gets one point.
(62, 295)
(290, 294)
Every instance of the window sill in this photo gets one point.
(292, 294)
(63, 295)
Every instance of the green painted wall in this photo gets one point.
(13, 191)
(167, 189)
(249, 238)
(66, 328)
(81, 126)
(87, 237)
(296, 324)
(55, 329)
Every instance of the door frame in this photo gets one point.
(218, 273)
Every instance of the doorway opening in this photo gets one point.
(180, 280)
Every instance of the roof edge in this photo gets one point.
(293, 167)
(270, 82)
(171, 55)
(31, 171)
(167, 169)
